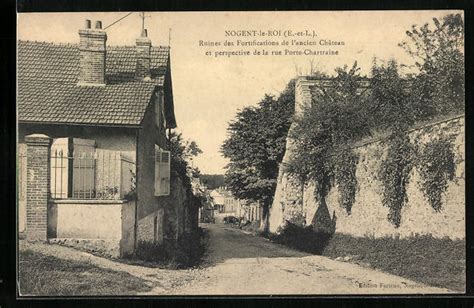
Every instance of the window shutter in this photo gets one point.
(157, 171)
(162, 172)
(165, 172)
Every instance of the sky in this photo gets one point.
(208, 91)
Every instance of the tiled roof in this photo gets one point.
(48, 91)
(52, 102)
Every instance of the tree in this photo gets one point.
(439, 57)
(182, 151)
(390, 105)
(213, 181)
(255, 146)
(335, 116)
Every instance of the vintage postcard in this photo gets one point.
(241, 153)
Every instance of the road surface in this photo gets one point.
(240, 263)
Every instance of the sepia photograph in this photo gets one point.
(241, 153)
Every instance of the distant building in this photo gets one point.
(218, 196)
(206, 210)
(226, 204)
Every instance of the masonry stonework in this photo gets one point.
(38, 164)
(143, 56)
(150, 228)
(297, 204)
(173, 206)
(92, 56)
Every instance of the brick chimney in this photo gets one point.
(142, 71)
(92, 55)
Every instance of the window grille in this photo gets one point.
(96, 174)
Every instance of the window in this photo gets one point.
(162, 172)
(160, 110)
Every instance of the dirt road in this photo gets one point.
(242, 264)
(239, 263)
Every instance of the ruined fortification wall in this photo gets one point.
(368, 217)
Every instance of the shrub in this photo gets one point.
(184, 253)
(190, 249)
(302, 238)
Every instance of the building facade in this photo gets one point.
(98, 116)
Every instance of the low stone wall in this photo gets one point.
(150, 228)
(368, 216)
(180, 210)
(107, 223)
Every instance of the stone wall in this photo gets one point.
(150, 228)
(180, 209)
(109, 228)
(297, 204)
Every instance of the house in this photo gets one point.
(206, 209)
(218, 197)
(231, 204)
(94, 159)
(226, 204)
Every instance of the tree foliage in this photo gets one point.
(325, 126)
(438, 50)
(347, 110)
(255, 146)
(213, 181)
(181, 152)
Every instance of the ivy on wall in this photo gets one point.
(345, 176)
(436, 167)
(394, 173)
(355, 107)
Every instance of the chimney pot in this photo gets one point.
(87, 24)
(143, 50)
(92, 60)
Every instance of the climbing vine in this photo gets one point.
(324, 181)
(436, 167)
(345, 166)
(394, 174)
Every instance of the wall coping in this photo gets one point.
(416, 127)
(38, 139)
(87, 201)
